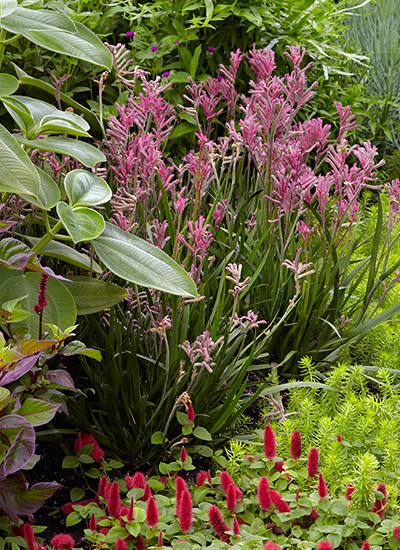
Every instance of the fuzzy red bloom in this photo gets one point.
(324, 545)
(218, 523)
(278, 466)
(129, 515)
(93, 523)
(113, 500)
(147, 493)
(160, 541)
(183, 455)
(62, 541)
(366, 546)
(269, 443)
(396, 532)
(312, 462)
(295, 445)
(313, 516)
(225, 480)
(151, 512)
(271, 546)
(236, 527)
(103, 485)
(380, 505)
(263, 494)
(231, 497)
(209, 477)
(78, 443)
(200, 478)
(322, 488)
(140, 544)
(339, 437)
(27, 533)
(97, 454)
(180, 487)
(120, 544)
(190, 413)
(137, 481)
(277, 501)
(185, 511)
(349, 490)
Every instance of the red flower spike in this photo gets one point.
(324, 545)
(200, 478)
(147, 493)
(396, 532)
(140, 544)
(349, 490)
(151, 513)
(322, 488)
(380, 505)
(93, 523)
(113, 500)
(137, 481)
(129, 515)
(367, 546)
(263, 494)
(160, 541)
(185, 512)
(231, 497)
(339, 437)
(209, 477)
(271, 546)
(218, 523)
(27, 533)
(225, 480)
(236, 527)
(312, 462)
(97, 454)
(120, 544)
(103, 484)
(295, 445)
(190, 413)
(278, 466)
(62, 541)
(78, 443)
(180, 487)
(313, 516)
(269, 443)
(183, 455)
(277, 501)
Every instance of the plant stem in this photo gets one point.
(3, 34)
(47, 237)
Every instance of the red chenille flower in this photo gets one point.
(324, 545)
(200, 478)
(277, 501)
(185, 511)
(62, 541)
(93, 523)
(231, 497)
(263, 494)
(137, 481)
(295, 445)
(349, 490)
(271, 546)
(151, 512)
(218, 523)
(366, 546)
(190, 413)
(27, 533)
(103, 485)
(160, 541)
(269, 443)
(180, 486)
(278, 466)
(113, 500)
(322, 488)
(236, 527)
(225, 480)
(183, 455)
(120, 544)
(380, 505)
(312, 462)
(129, 515)
(396, 532)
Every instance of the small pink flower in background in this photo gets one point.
(339, 437)
(324, 545)
(322, 488)
(129, 34)
(269, 443)
(62, 541)
(304, 231)
(295, 445)
(42, 301)
(312, 463)
(176, 42)
(211, 49)
(271, 546)
(166, 73)
(367, 546)
(154, 48)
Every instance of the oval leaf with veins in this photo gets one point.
(82, 224)
(85, 189)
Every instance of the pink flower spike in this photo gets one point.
(324, 545)
(312, 463)
(218, 523)
(269, 443)
(200, 478)
(231, 497)
(225, 480)
(165, 74)
(295, 445)
(160, 539)
(339, 437)
(113, 500)
(129, 34)
(349, 490)
(263, 494)
(367, 546)
(93, 523)
(27, 533)
(176, 42)
(129, 515)
(190, 413)
(151, 513)
(271, 546)
(185, 512)
(62, 541)
(183, 455)
(180, 487)
(396, 532)
(278, 502)
(236, 527)
(120, 544)
(154, 48)
(322, 488)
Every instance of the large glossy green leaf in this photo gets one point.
(19, 112)
(61, 251)
(49, 193)
(138, 261)
(85, 189)
(86, 154)
(8, 83)
(7, 7)
(82, 224)
(58, 33)
(60, 311)
(17, 173)
(92, 295)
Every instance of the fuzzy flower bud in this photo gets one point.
(269, 443)
(312, 462)
(295, 445)
(129, 515)
(277, 501)
(271, 546)
(236, 527)
(113, 500)
(263, 494)
(137, 481)
(278, 466)
(349, 490)
(27, 533)
(322, 488)
(366, 546)
(190, 413)
(62, 541)
(185, 512)
(103, 485)
(200, 478)
(339, 437)
(218, 523)
(151, 512)
(324, 545)
(180, 487)
(120, 544)
(93, 523)
(160, 541)
(183, 455)
(231, 497)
